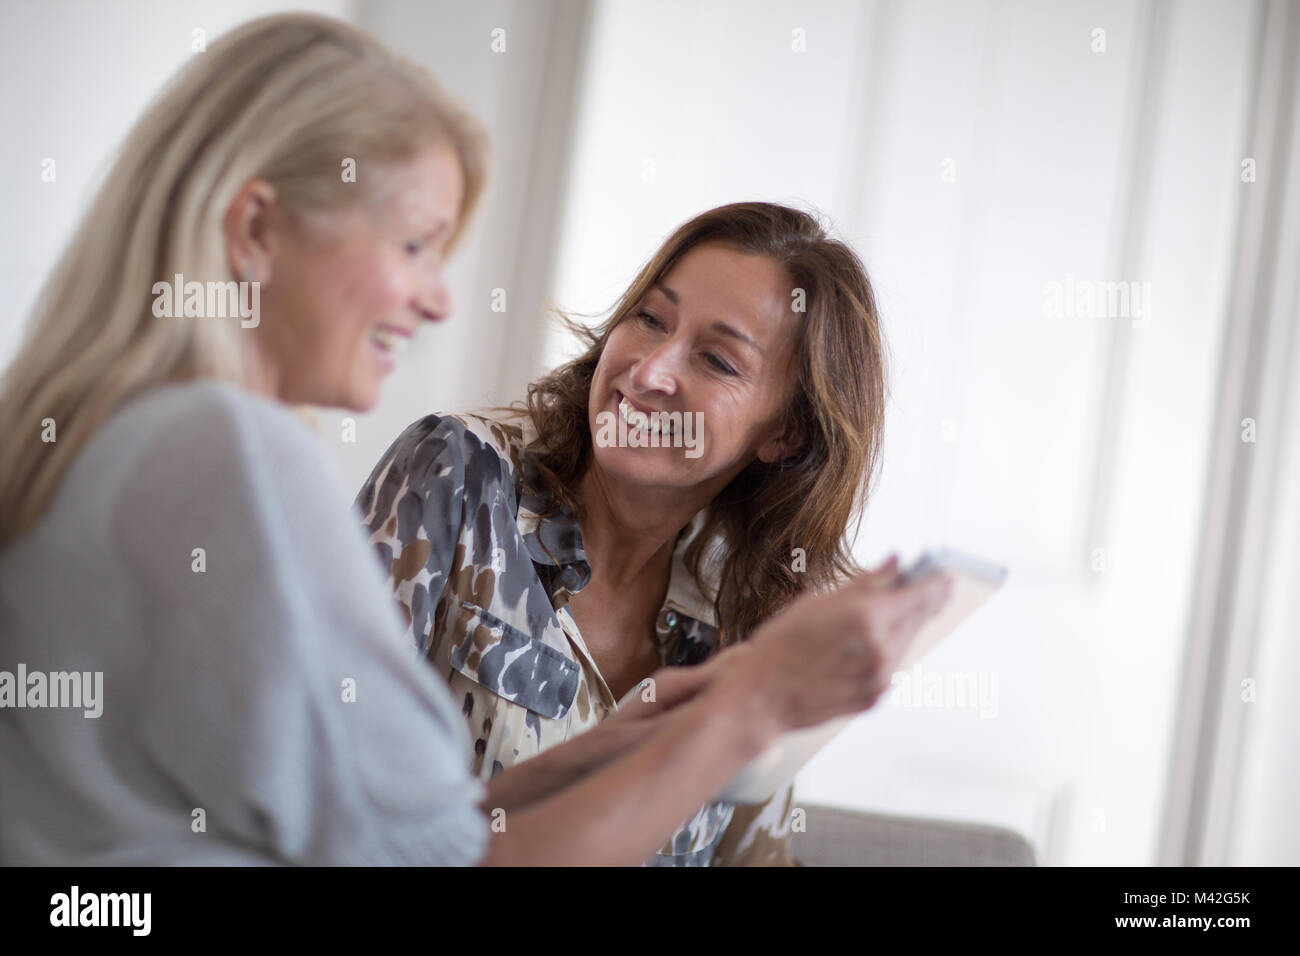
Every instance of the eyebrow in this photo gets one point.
(718, 325)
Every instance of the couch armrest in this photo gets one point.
(838, 837)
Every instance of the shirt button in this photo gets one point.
(671, 618)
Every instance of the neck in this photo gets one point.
(261, 376)
(624, 540)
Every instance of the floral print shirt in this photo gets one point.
(483, 583)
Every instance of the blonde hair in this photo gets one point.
(287, 99)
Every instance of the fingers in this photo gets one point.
(669, 686)
(917, 601)
(880, 578)
(727, 658)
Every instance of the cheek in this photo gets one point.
(376, 285)
(355, 293)
(628, 340)
(611, 361)
(735, 421)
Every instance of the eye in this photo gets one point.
(413, 248)
(648, 319)
(719, 364)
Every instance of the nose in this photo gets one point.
(657, 370)
(436, 303)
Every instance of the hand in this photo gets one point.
(831, 654)
(674, 685)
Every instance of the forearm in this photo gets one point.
(562, 766)
(620, 814)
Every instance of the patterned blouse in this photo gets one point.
(484, 584)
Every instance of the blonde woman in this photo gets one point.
(211, 668)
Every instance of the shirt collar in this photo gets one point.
(684, 592)
(553, 542)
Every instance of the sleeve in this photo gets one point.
(759, 835)
(281, 700)
(412, 506)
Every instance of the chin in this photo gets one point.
(365, 402)
(648, 467)
(359, 396)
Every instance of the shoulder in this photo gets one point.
(226, 472)
(202, 433)
(223, 445)
(468, 454)
(504, 431)
(207, 412)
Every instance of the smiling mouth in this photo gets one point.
(654, 423)
(394, 343)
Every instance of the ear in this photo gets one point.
(780, 446)
(246, 227)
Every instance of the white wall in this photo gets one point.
(1264, 830)
(1252, 820)
(77, 75)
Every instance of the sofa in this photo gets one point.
(837, 837)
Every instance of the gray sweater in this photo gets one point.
(258, 704)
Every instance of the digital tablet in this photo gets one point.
(973, 581)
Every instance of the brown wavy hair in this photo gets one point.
(835, 416)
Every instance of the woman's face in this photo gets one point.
(716, 341)
(339, 308)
